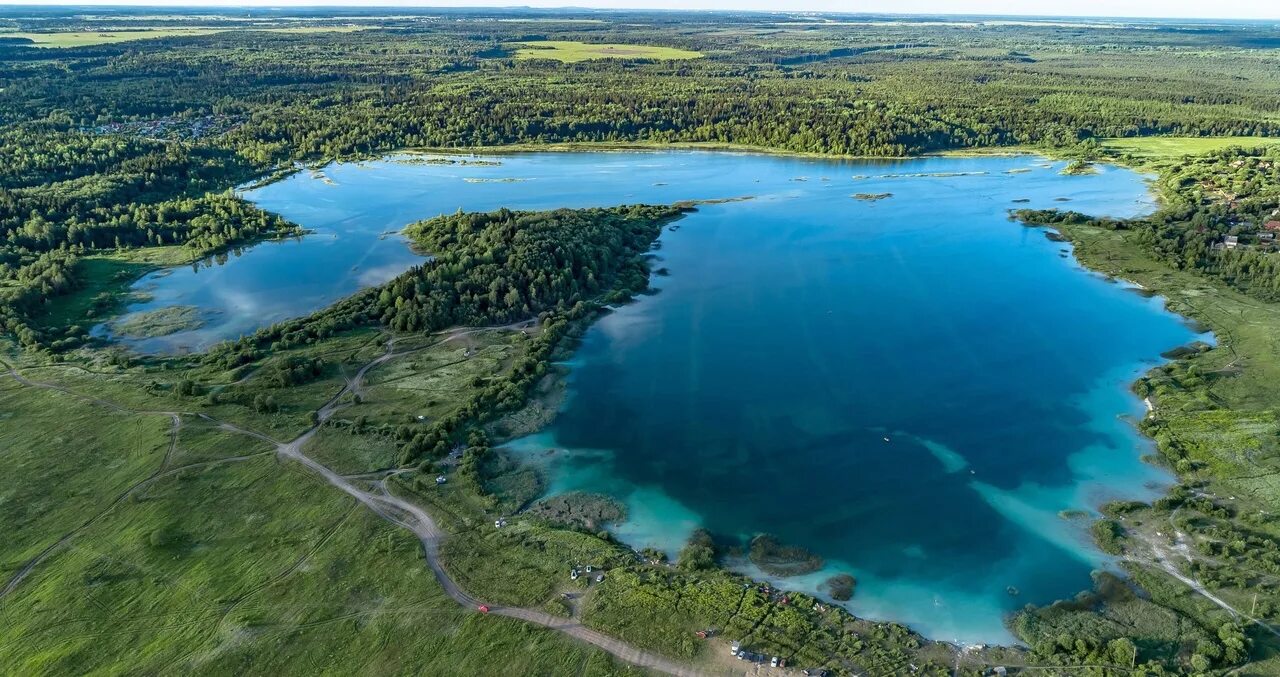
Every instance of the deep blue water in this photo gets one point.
(796, 333)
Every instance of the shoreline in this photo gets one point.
(646, 146)
(1144, 169)
(724, 148)
(284, 172)
(1137, 369)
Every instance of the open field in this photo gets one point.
(48, 444)
(568, 51)
(106, 37)
(228, 566)
(1164, 147)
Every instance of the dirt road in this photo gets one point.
(384, 504)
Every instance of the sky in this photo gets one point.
(1221, 9)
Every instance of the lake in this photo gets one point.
(911, 386)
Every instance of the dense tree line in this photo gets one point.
(502, 266)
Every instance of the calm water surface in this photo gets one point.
(797, 333)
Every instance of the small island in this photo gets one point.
(1079, 168)
(778, 559)
(840, 587)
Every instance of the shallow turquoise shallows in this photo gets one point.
(913, 387)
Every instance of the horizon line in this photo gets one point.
(411, 5)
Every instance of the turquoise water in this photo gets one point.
(913, 387)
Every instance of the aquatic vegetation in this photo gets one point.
(778, 559)
(579, 509)
(159, 322)
(1079, 167)
(699, 553)
(416, 159)
(840, 587)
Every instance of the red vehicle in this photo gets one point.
(484, 609)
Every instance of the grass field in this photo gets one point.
(236, 566)
(567, 51)
(1162, 147)
(106, 37)
(65, 460)
(194, 549)
(87, 38)
(436, 380)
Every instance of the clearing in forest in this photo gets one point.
(104, 37)
(567, 51)
(1157, 147)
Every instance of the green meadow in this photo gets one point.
(568, 51)
(58, 39)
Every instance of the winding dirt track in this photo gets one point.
(415, 519)
(383, 503)
(1162, 557)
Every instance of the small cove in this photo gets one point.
(796, 332)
